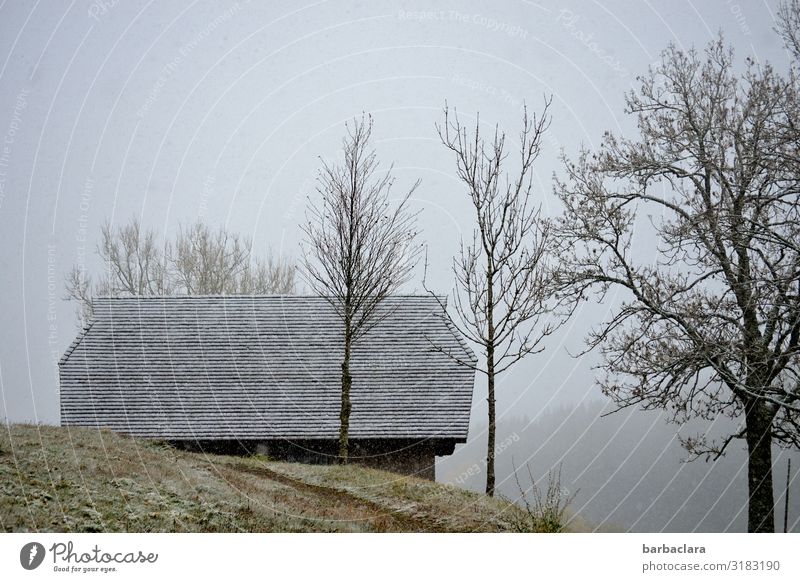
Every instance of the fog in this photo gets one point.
(624, 471)
(220, 111)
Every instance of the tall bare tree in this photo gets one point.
(502, 300)
(359, 247)
(710, 324)
(200, 261)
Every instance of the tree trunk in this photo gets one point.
(492, 422)
(760, 514)
(490, 379)
(344, 413)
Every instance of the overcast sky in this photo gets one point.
(219, 111)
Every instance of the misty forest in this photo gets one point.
(567, 296)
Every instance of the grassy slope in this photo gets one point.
(78, 480)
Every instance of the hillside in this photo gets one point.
(79, 480)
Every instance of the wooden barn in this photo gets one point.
(241, 374)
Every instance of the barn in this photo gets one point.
(245, 374)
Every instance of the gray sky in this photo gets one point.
(219, 110)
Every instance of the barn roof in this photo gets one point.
(255, 367)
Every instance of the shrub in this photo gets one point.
(544, 510)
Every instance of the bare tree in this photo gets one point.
(267, 276)
(200, 261)
(359, 248)
(788, 26)
(711, 325)
(78, 284)
(134, 260)
(207, 262)
(501, 302)
(134, 263)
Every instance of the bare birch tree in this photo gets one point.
(711, 325)
(134, 263)
(501, 301)
(203, 261)
(200, 261)
(359, 247)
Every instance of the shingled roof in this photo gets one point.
(263, 367)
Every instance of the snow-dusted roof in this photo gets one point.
(251, 367)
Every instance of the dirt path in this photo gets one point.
(341, 505)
